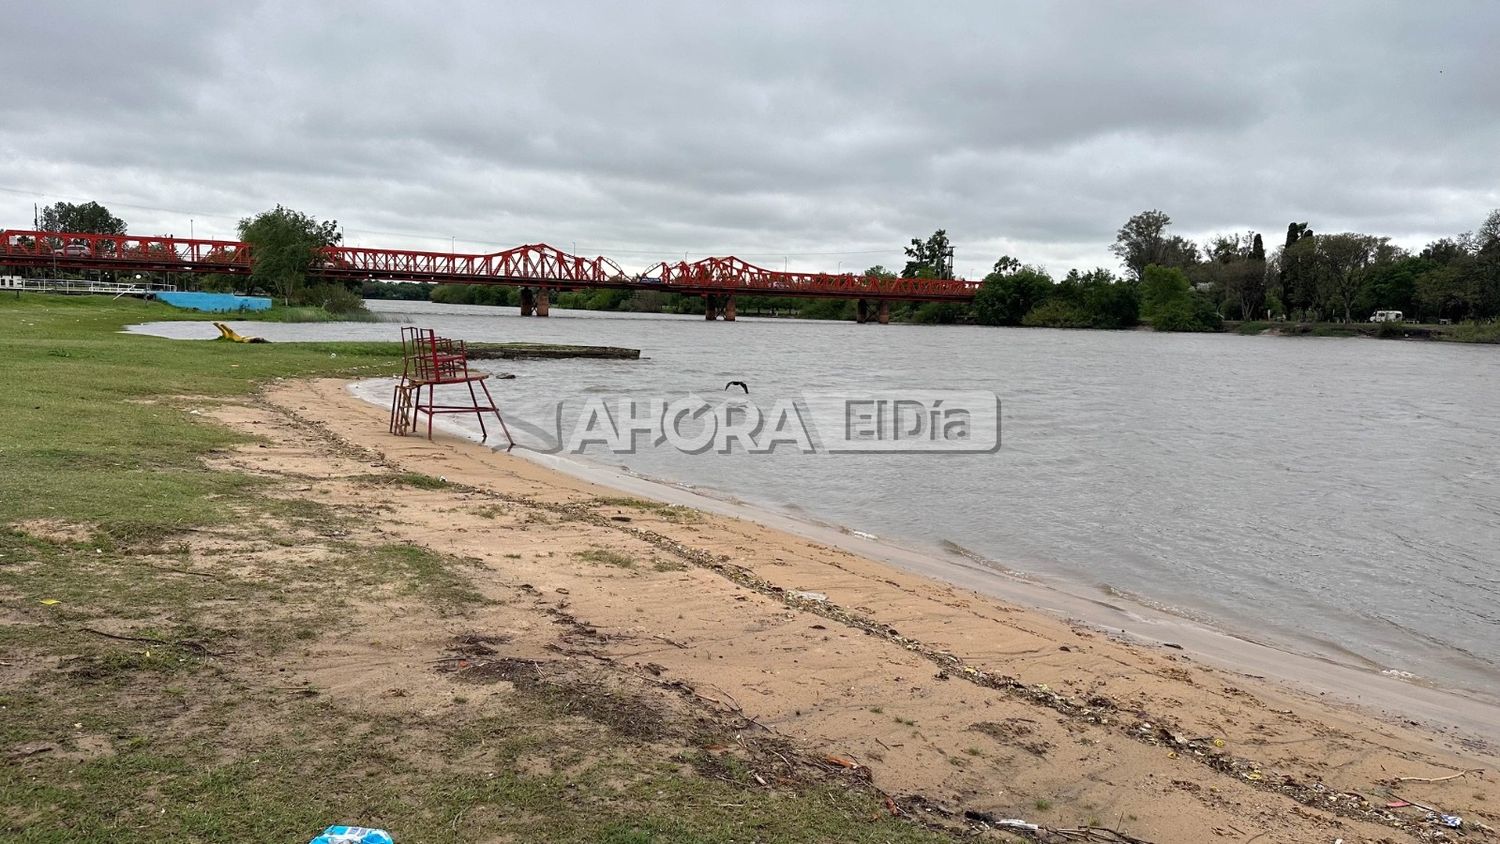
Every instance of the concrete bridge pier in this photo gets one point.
(729, 308)
(884, 314)
(710, 307)
(543, 301)
(528, 301)
(861, 312)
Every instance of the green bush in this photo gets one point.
(1171, 304)
(333, 298)
(1058, 314)
(1006, 298)
(936, 313)
(1176, 316)
(827, 309)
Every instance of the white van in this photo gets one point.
(1386, 316)
(10, 282)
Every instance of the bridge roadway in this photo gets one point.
(538, 269)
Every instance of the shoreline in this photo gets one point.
(946, 698)
(1368, 688)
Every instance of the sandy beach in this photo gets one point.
(961, 707)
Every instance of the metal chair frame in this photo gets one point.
(429, 362)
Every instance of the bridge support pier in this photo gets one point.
(710, 307)
(528, 301)
(543, 301)
(861, 312)
(884, 314)
(729, 308)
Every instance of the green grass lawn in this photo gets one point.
(81, 440)
(189, 732)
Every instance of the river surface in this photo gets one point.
(1336, 497)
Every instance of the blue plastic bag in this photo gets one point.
(353, 835)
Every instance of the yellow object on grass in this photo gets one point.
(227, 333)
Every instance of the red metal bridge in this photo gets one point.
(537, 268)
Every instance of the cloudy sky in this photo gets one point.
(817, 135)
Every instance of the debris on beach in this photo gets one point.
(353, 835)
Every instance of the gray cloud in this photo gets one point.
(829, 133)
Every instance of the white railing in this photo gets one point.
(82, 285)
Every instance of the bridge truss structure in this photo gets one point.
(534, 265)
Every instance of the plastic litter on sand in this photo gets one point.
(353, 835)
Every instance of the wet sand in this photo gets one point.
(958, 688)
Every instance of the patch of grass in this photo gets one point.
(678, 514)
(1042, 804)
(302, 313)
(670, 512)
(1473, 332)
(105, 443)
(412, 479)
(606, 557)
(632, 503)
(415, 571)
(1334, 329)
(421, 481)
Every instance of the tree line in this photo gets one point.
(1165, 280)
(1178, 285)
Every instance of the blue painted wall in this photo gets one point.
(218, 303)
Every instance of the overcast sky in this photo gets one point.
(817, 135)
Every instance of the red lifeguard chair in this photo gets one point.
(431, 362)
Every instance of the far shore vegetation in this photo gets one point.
(1320, 284)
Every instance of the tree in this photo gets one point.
(1168, 301)
(1466, 284)
(1392, 286)
(1109, 302)
(1006, 264)
(1245, 286)
(930, 258)
(1488, 236)
(88, 218)
(1344, 258)
(283, 244)
(1237, 267)
(1441, 292)
(1144, 241)
(1160, 288)
(1445, 250)
(1095, 299)
(1298, 268)
(1005, 298)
